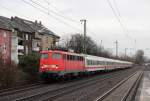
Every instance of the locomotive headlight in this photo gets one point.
(54, 66)
(45, 66)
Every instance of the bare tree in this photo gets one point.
(139, 57)
(76, 43)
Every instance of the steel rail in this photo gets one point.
(116, 86)
(130, 89)
(82, 84)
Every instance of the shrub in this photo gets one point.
(9, 74)
(30, 66)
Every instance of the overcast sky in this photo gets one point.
(64, 17)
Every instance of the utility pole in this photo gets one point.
(84, 43)
(101, 44)
(116, 42)
(135, 46)
(126, 53)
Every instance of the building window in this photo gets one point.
(46, 39)
(0, 48)
(26, 49)
(4, 35)
(4, 49)
(20, 42)
(27, 37)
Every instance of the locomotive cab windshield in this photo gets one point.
(44, 56)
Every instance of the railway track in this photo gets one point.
(91, 92)
(121, 91)
(9, 91)
(56, 93)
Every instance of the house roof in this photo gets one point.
(21, 26)
(5, 23)
(36, 27)
(9, 24)
(24, 25)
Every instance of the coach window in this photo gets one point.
(99, 62)
(80, 58)
(71, 57)
(64, 57)
(68, 57)
(92, 62)
(75, 58)
(56, 56)
(89, 62)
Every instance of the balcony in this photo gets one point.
(20, 47)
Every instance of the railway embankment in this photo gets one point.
(85, 89)
(143, 91)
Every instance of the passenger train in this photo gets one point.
(54, 63)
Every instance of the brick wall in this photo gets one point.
(5, 44)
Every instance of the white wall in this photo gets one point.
(14, 50)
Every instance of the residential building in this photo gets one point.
(19, 37)
(44, 39)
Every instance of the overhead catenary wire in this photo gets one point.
(128, 32)
(68, 18)
(61, 14)
(51, 11)
(21, 15)
(117, 9)
(51, 16)
(118, 17)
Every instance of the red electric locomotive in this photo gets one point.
(60, 63)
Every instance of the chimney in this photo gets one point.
(36, 22)
(40, 23)
(12, 18)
